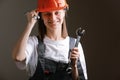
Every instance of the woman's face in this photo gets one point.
(53, 19)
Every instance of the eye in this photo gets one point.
(57, 12)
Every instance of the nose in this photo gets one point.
(53, 16)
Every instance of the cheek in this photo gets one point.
(61, 18)
(44, 19)
(45, 22)
(62, 14)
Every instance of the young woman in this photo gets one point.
(47, 56)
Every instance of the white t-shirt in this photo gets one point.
(55, 50)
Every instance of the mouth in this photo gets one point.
(53, 23)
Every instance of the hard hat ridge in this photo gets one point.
(48, 5)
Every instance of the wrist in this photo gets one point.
(74, 66)
(30, 24)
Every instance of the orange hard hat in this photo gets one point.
(49, 5)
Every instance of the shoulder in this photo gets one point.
(72, 38)
(32, 40)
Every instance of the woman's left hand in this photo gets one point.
(74, 56)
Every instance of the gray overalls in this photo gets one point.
(50, 70)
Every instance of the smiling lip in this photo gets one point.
(52, 22)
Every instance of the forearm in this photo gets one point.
(19, 49)
(75, 74)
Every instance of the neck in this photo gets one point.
(54, 35)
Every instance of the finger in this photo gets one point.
(75, 49)
(27, 13)
(36, 12)
(33, 12)
(34, 15)
(75, 54)
(72, 56)
(74, 59)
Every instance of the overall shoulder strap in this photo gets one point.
(41, 46)
(41, 51)
(72, 42)
(39, 67)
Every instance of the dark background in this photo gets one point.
(101, 42)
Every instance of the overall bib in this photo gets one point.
(50, 70)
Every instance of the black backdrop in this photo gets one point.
(101, 42)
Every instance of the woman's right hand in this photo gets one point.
(31, 17)
(20, 47)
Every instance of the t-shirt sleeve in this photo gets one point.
(29, 52)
